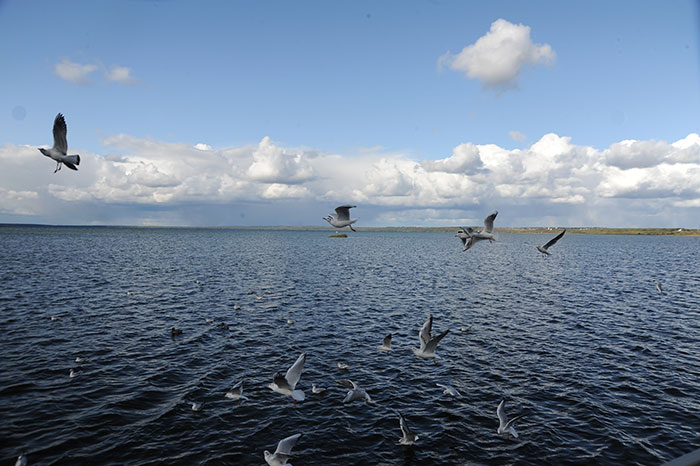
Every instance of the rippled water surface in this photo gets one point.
(604, 368)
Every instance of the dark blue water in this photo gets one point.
(605, 369)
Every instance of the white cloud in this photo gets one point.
(517, 135)
(621, 185)
(75, 73)
(121, 75)
(497, 58)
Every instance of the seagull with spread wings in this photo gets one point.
(550, 243)
(342, 217)
(476, 236)
(285, 384)
(283, 451)
(60, 146)
(428, 343)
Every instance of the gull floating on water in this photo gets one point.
(550, 243)
(449, 390)
(196, 406)
(73, 373)
(236, 393)
(342, 217)
(476, 236)
(428, 343)
(80, 360)
(60, 146)
(285, 384)
(658, 286)
(283, 451)
(386, 344)
(356, 393)
(343, 367)
(409, 437)
(317, 390)
(505, 425)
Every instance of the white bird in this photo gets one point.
(343, 367)
(54, 318)
(386, 343)
(285, 384)
(21, 461)
(476, 236)
(73, 373)
(449, 390)
(196, 406)
(356, 393)
(505, 425)
(236, 393)
(236, 307)
(283, 451)
(428, 343)
(80, 360)
(60, 146)
(317, 390)
(342, 217)
(550, 243)
(658, 286)
(409, 437)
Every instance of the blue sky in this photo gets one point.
(364, 82)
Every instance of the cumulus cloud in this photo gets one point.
(621, 185)
(497, 58)
(121, 75)
(75, 73)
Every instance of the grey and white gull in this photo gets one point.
(504, 424)
(386, 344)
(658, 285)
(60, 146)
(283, 451)
(286, 384)
(475, 236)
(236, 393)
(408, 437)
(449, 390)
(428, 343)
(545, 249)
(341, 218)
(356, 393)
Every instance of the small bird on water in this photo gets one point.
(658, 286)
(60, 146)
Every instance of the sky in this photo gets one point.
(435, 113)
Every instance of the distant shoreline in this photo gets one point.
(516, 230)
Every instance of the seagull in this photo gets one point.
(462, 234)
(343, 367)
(658, 286)
(285, 384)
(409, 438)
(175, 331)
(342, 217)
(73, 373)
(428, 343)
(386, 344)
(356, 393)
(196, 406)
(21, 461)
(79, 360)
(544, 249)
(505, 425)
(449, 390)
(60, 146)
(236, 393)
(476, 236)
(317, 390)
(283, 452)
(54, 318)
(236, 307)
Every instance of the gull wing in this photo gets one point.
(432, 344)
(502, 418)
(424, 333)
(238, 388)
(554, 240)
(387, 340)
(509, 424)
(343, 212)
(469, 231)
(294, 372)
(286, 444)
(405, 430)
(59, 135)
(488, 222)
(347, 383)
(281, 381)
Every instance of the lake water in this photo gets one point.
(604, 368)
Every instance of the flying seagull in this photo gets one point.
(409, 437)
(285, 384)
(476, 236)
(236, 393)
(428, 343)
(449, 390)
(550, 243)
(462, 234)
(283, 452)
(342, 217)
(658, 286)
(60, 146)
(317, 390)
(505, 425)
(356, 393)
(386, 343)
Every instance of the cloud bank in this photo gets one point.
(80, 74)
(553, 182)
(497, 58)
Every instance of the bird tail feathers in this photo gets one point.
(297, 395)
